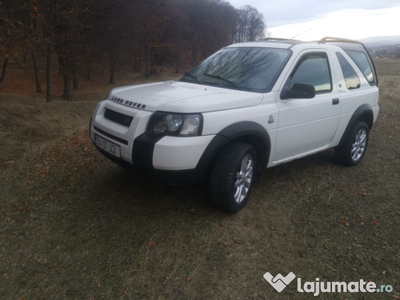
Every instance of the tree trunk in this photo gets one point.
(112, 67)
(60, 65)
(67, 87)
(89, 70)
(75, 81)
(139, 64)
(136, 62)
(3, 73)
(75, 76)
(194, 53)
(67, 79)
(147, 59)
(177, 64)
(25, 60)
(36, 69)
(112, 75)
(48, 74)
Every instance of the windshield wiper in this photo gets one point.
(192, 76)
(223, 79)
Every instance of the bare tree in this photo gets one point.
(158, 34)
(3, 72)
(250, 25)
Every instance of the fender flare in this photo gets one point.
(364, 113)
(245, 131)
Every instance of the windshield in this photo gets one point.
(243, 68)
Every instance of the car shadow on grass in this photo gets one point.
(133, 194)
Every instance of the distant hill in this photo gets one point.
(383, 46)
(381, 41)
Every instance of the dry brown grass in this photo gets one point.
(75, 226)
(28, 122)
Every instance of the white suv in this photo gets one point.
(246, 108)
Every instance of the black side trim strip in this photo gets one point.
(122, 141)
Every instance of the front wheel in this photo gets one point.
(232, 177)
(353, 148)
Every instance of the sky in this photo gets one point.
(314, 19)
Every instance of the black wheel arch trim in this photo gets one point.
(244, 131)
(362, 113)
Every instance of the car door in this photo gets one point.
(308, 125)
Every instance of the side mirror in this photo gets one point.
(299, 90)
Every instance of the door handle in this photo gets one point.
(335, 101)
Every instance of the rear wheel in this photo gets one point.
(232, 177)
(353, 148)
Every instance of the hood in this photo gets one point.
(183, 97)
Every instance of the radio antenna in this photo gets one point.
(301, 33)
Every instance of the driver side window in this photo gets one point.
(313, 69)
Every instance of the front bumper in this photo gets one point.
(175, 159)
(176, 177)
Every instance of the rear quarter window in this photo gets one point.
(364, 64)
(349, 74)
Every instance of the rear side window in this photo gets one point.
(350, 75)
(313, 69)
(362, 61)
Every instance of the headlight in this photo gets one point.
(175, 124)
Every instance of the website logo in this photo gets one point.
(318, 287)
(279, 282)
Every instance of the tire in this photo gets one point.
(354, 146)
(232, 177)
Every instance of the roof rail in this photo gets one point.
(278, 39)
(328, 39)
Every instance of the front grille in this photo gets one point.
(118, 118)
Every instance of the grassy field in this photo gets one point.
(75, 226)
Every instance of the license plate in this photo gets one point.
(107, 146)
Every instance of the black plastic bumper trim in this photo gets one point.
(122, 141)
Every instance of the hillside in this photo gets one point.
(388, 46)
